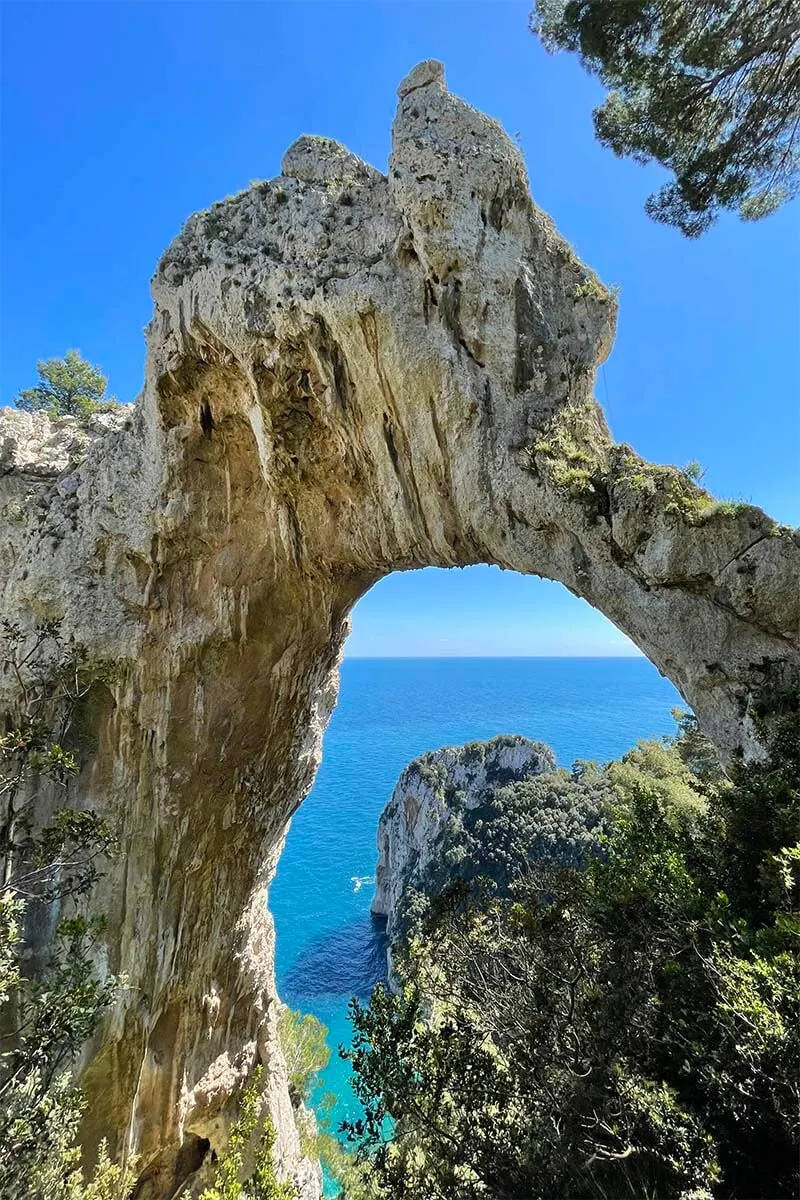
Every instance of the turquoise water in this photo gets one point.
(390, 711)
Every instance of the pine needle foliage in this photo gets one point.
(710, 89)
(67, 387)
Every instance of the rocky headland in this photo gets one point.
(482, 813)
(433, 793)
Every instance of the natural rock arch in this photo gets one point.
(347, 374)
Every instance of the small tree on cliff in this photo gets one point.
(67, 387)
(305, 1050)
(711, 90)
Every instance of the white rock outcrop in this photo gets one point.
(347, 374)
(421, 805)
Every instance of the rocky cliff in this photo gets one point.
(348, 373)
(481, 813)
(430, 794)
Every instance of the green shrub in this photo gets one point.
(251, 1127)
(625, 1028)
(305, 1050)
(67, 387)
(47, 1015)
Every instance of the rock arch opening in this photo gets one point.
(451, 684)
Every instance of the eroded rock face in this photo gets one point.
(347, 374)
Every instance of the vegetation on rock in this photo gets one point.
(256, 1133)
(556, 816)
(629, 1027)
(668, 1050)
(49, 868)
(305, 1051)
(67, 387)
(710, 90)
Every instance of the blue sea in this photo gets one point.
(390, 711)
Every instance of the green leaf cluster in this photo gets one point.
(303, 1041)
(625, 1027)
(254, 1133)
(67, 387)
(305, 1051)
(710, 89)
(48, 868)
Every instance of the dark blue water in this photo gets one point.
(390, 711)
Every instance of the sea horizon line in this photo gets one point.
(491, 657)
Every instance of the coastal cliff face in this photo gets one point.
(426, 798)
(186, 897)
(347, 374)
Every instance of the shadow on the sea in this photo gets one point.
(347, 962)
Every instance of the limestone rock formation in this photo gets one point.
(422, 802)
(347, 374)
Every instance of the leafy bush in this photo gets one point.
(305, 1050)
(343, 1170)
(46, 1015)
(630, 1027)
(251, 1127)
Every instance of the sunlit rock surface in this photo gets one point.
(347, 374)
(422, 802)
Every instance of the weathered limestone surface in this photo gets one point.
(347, 374)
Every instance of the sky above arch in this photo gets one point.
(120, 118)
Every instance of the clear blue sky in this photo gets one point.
(119, 119)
